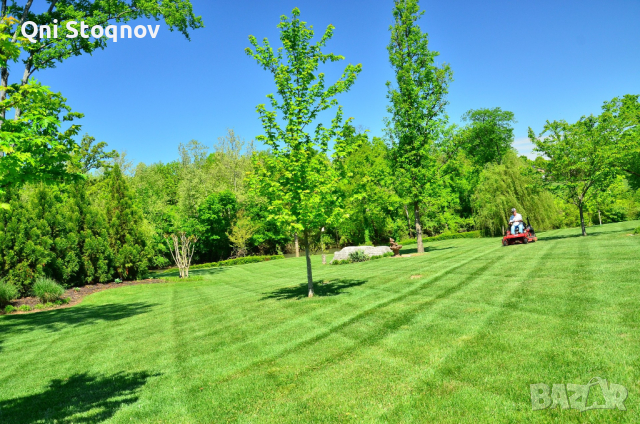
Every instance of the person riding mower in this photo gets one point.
(518, 233)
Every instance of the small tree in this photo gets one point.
(296, 178)
(417, 108)
(241, 233)
(181, 247)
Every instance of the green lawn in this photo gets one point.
(455, 335)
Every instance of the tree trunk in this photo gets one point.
(406, 212)
(296, 244)
(599, 217)
(584, 230)
(416, 213)
(307, 252)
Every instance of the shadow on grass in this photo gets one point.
(427, 249)
(81, 398)
(74, 316)
(592, 233)
(320, 288)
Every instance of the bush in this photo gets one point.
(117, 281)
(358, 256)
(468, 234)
(8, 309)
(8, 292)
(24, 308)
(637, 231)
(47, 290)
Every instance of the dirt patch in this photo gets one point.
(75, 295)
(413, 277)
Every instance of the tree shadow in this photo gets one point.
(320, 288)
(81, 398)
(74, 316)
(596, 233)
(426, 249)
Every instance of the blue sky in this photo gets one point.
(542, 60)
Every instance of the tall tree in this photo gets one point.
(297, 177)
(417, 103)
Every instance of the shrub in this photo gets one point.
(47, 290)
(358, 256)
(117, 281)
(9, 308)
(637, 231)
(8, 292)
(24, 308)
(39, 306)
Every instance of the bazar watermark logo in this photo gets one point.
(613, 396)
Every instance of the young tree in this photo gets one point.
(417, 108)
(296, 177)
(182, 247)
(585, 156)
(241, 233)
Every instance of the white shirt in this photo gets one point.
(515, 218)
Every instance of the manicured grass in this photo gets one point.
(455, 335)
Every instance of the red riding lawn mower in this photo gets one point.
(528, 235)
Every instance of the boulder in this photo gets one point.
(368, 250)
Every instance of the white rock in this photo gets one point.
(368, 250)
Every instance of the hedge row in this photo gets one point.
(238, 261)
(469, 234)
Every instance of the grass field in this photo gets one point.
(455, 335)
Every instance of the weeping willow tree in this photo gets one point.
(511, 184)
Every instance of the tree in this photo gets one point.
(90, 156)
(585, 156)
(126, 237)
(510, 184)
(33, 147)
(489, 134)
(215, 218)
(241, 233)
(417, 105)
(296, 178)
(182, 247)
(232, 163)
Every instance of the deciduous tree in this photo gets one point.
(296, 177)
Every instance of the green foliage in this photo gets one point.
(241, 233)
(131, 254)
(636, 231)
(489, 135)
(47, 290)
(358, 256)
(8, 292)
(24, 308)
(417, 111)
(34, 147)
(9, 308)
(585, 157)
(450, 236)
(238, 261)
(117, 281)
(296, 177)
(216, 216)
(369, 201)
(512, 184)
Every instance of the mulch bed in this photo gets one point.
(76, 295)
